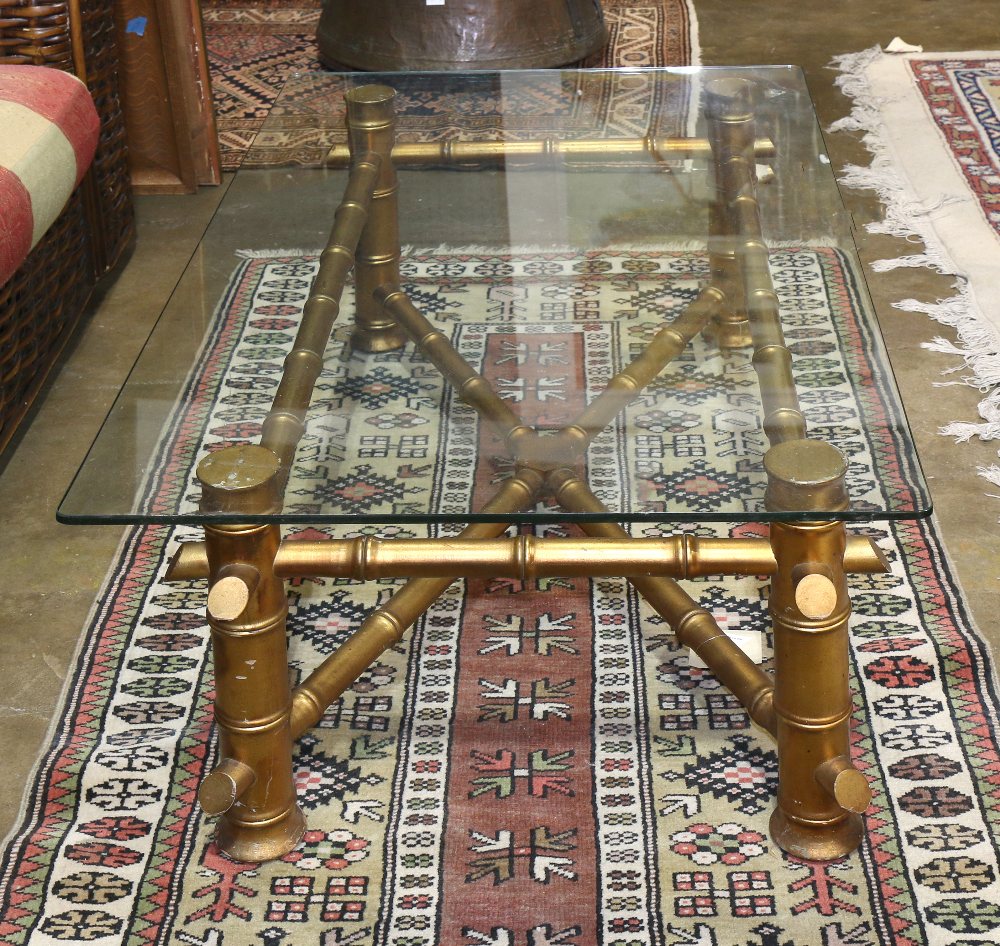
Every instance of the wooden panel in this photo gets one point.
(166, 96)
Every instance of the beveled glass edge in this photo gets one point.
(921, 508)
(527, 518)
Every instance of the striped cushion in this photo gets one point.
(50, 129)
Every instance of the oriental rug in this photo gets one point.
(253, 48)
(932, 122)
(535, 763)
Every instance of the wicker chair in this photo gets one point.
(43, 302)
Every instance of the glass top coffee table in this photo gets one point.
(588, 298)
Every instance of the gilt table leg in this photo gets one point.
(820, 793)
(371, 125)
(730, 326)
(252, 787)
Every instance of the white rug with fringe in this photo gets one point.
(932, 122)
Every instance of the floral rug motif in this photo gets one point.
(535, 763)
(253, 48)
(932, 122)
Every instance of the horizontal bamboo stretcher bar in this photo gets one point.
(524, 557)
(456, 152)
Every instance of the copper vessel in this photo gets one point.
(391, 35)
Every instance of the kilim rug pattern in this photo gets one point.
(534, 764)
(932, 121)
(254, 48)
(308, 118)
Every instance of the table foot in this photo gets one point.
(816, 841)
(260, 841)
(378, 338)
(729, 334)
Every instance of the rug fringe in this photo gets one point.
(278, 254)
(693, 38)
(906, 216)
(991, 473)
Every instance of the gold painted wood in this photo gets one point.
(524, 557)
(384, 627)
(804, 475)
(806, 706)
(679, 556)
(693, 626)
(845, 784)
(728, 108)
(224, 786)
(285, 423)
(252, 696)
(812, 819)
(371, 128)
(629, 383)
(468, 383)
(647, 152)
(730, 327)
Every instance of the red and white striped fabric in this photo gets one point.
(48, 133)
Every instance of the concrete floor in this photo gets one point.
(50, 573)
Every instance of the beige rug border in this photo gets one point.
(926, 196)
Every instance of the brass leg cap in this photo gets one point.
(256, 843)
(826, 842)
(378, 340)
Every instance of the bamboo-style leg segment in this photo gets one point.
(385, 627)
(252, 787)
(729, 110)
(612, 152)
(285, 423)
(693, 625)
(371, 127)
(820, 793)
(468, 383)
(625, 386)
(730, 326)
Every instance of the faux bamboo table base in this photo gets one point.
(805, 706)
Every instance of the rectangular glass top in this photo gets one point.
(637, 280)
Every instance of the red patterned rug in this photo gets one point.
(254, 47)
(535, 764)
(932, 122)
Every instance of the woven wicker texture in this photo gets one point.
(44, 300)
(39, 306)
